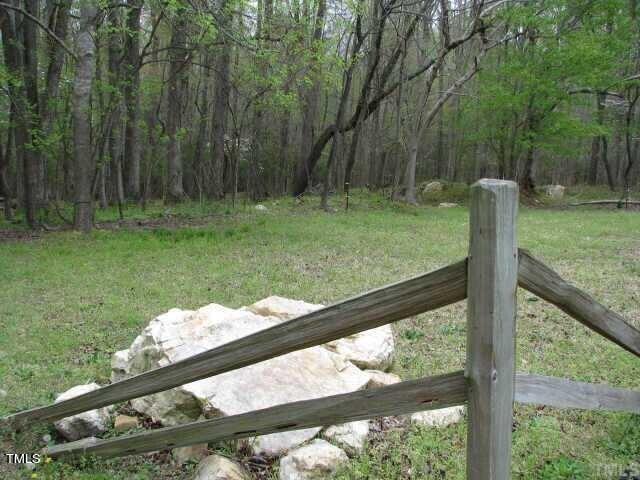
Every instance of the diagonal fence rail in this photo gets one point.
(373, 309)
(535, 276)
(489, 386)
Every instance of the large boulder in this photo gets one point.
(85, 424)
(315, 461)
(217, 467)
(178, 334)
(372, 349)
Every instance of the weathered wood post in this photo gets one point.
(491, 292)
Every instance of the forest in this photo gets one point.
(122, 102)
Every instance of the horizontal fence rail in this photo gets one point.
(535, 276)
(373, 309)
(564, 393)
(401, 398)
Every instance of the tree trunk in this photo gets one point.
(177, 59)
(596, 143)
(56, 55)
(82, 154)
(131, 93)
(527, 186)
(410, 175)
(18, 129)
(311, 98)
(33, 168)
(220, 105)
(115, 106)
(607, 166)
(5, 190)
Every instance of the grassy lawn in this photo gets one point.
(68, 301)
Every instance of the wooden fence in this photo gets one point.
(488, 278)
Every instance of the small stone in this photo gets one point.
(3, 393)
(30, 466)
(438, 418)
(46, 439)
(447, 205)
(555, 192)
(315, 461)
(123, 423)
(381, 379)
(217, 467)
(191, 453)
(261, 208)
(350, 436)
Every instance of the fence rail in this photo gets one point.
(489, 385)
(400, 399)
(535, 276)
(363, 312)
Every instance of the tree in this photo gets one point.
(84, 164)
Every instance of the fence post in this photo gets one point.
(491, 309)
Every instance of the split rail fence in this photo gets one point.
(488, 278)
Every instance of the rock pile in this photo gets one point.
(349, 364)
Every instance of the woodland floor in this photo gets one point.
(68, 301)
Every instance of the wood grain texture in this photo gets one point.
(564, 393)
(363, 312)
(401, 398)
(606, 202)
(491, 318)
(539, 279)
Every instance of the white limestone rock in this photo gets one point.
(555, 192)
(190, 453)
(85, 424)
(438, 418)
(315, 461)
(119, 365)
(372, 349)
(379, 379)
(282, 308)
(351, 437)
(432, 187)
(217, 467)
(311, 373)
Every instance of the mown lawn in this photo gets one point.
(68, 301)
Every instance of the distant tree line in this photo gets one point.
(111, 102)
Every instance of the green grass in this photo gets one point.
(68, 301)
